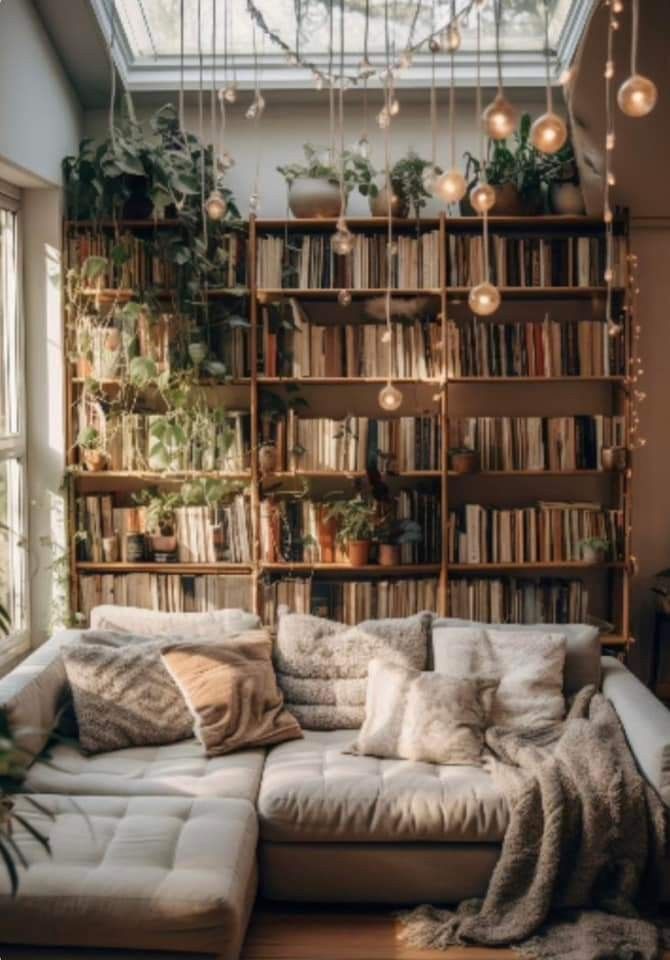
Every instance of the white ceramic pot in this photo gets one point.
(566, 199)
(310, 197)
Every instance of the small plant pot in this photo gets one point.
(312, 197)
(95, 460)
(389, 555)
(379, 205)
(327, 528)
(508, 201)
(566, 199)
(267, 458)
(592, 554)
(465, 461)
(613, 458)
(358, 552)
(162, 543)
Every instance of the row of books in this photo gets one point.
(547, 348)
(309, 349)
(159, 591)
(298, 530)
(349, 602)
(204, 534)
(538, 443)
(131, 442)
(546, 533)
(140, 263)
(560, 261)
(410, 443)
(307, 261)
(514, 600)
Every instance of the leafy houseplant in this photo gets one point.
(407, 183)
(355, 526)
(91, 445)
(594, 549)
(314, 186)
(391, 535)
(160, 515)
(562, 177)
(516, 173)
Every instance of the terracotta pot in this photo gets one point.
(359, 552)
(379, 205)
(162, 543)
(591, 555)
(464, 461)
(267, 458)
(327, 533)
(508, 201)
(95, 460)
(613, 458)
(566, 199)
(389, 555)
(310, 197)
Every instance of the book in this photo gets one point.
(515, 600)
(169, 592)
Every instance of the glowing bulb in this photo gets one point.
(608, 275)
(257, 106)
(609, 70)
(548, 133)
(394, 107)
(484, 299)
(318, 82)
(383, 118)
(344, 298)
(343, 240)
(617, 6)
(386, 336)
(609, 141)
(230, 93)
(226, 161)
(363, 147)
(215, 205)
(452, 38)
(637, 96)
(565, 77)
(253, 203)
(607, 215)
(614, 329)
(611, 179)
(451, 186)
(392, 248)
(390, 397)
(499, 119)
(482, 197)
(405, 59)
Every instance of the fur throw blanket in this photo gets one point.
(581, 852)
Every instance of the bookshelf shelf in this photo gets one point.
(440, 303)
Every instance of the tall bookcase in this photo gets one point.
(444, 395)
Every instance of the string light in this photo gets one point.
(500, 117)
(614, 329)
(390, 398)
(549, 132)
(344, 298)
(637, 95)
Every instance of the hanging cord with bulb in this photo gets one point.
(634, 33)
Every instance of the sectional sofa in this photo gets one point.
(163, 850)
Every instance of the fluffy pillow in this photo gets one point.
(322, 665)
(122, 695)
(211, 625)
(232, 692)
(528, 664)
(427, 717)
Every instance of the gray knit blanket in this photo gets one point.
(578, 871)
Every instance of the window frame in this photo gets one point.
(13, 444)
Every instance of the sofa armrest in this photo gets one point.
(645, 720)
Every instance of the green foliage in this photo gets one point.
(396, 532)
(320, 164)
(161, 505)
(89, 439)
(599, 544)
(407, 180)
(561, 167)
(160, 508)
(355, 518)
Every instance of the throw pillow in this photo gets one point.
(322, 665)
(211, 625)
(424, 716)
(529, 665)
(123, 696)
(232, 693)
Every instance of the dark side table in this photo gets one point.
(661, 635)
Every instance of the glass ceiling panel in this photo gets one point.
(152, 27)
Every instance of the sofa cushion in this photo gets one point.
(176, 769)
(210, 625)
(582, 653)
(312, 791)
(146, 873)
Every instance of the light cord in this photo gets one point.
(547, 57)
(452, 98)
(635, 29)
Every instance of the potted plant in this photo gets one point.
(517, 174)
(594, 549)
(562, 178)
(407, 178)
(614, 458)
(313, 186)
(160, 520)
(391, 535)
(91, 446)
(355, 527)
(463, 460)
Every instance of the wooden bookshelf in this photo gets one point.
(609, 393)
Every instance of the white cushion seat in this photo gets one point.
(312, 791)
(141, 873)
(175, 769)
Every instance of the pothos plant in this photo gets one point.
(322, 164)
(355, 518)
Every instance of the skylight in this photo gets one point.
(148, 38)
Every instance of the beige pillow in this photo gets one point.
(529, 665)
(231, 691)
(209, 625)
(424, 716)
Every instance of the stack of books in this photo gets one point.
(215, 534)
(160, 591)
(538, 443)
(547, 348)
(518, 601)
(307, 261)
(546, 533)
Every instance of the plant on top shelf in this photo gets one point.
(160, 519)
(516, 173)
(314, 185)
(407, 182)
(595, 549)
(92, 448)
(355, 519)
(561, 175)
(391, 534)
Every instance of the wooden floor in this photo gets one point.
(283, 933)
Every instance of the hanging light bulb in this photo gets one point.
(363, 147)
(344, 298)
(383, 118)
(230, 92)
(452, 38)
(253, 203)
(226, 161)
(390, 398)
(499, 119)
(482, 197)
(548, 133)
(386, 336)
(257, 106)
(484, 299)
(343, 239)
(394, 106)
(215, 205)
(637, 96)
(451, 187)
(318, 81)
